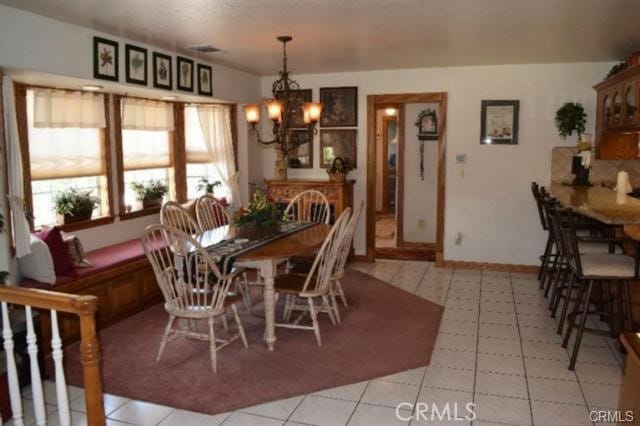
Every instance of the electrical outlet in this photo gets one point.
(457, 239)
(460, 173)
(421, 224)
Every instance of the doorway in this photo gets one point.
(406, 157)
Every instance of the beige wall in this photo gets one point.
(491, 205)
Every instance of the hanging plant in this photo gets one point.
(571, 118)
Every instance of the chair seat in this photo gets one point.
(608, 265)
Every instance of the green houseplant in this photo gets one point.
(208, 187)
(259, 219)
(571, 118)
(150, 194)
(73, 206)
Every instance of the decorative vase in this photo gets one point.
(281, 166)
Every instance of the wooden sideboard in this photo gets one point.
(339, 194)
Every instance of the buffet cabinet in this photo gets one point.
(339, 194)
(618, 116)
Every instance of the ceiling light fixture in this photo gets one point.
(91, 87)
(281, 109)
(390, 112)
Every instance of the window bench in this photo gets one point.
(122, 279)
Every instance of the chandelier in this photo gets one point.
(282, 109)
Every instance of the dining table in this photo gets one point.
(265, 256)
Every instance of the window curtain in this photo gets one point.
(21, 232)
(142, 114)
(215, 121)
(64, 109)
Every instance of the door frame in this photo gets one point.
(374, 102)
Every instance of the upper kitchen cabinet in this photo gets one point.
(618, 117)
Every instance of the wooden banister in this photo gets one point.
(85, 308)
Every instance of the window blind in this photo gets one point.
(142, 114)
(195, 145)
(63, 109)
(59, 152)
(145, 149)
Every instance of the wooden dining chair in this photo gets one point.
(302, 267)
(309, 206)
(211, 213)
(174, 215)
(193, 287)
(316, 284)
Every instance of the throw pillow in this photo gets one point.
(62, 261)
(38, 265)
(76, 251)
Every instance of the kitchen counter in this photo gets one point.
(598, 202)
(629, 400)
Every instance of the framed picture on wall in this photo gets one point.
(340, 106)
(499, 122)
(302, 157)
(296, 99)
(205, 82)
(136, 64)
(105, 59)
(184, 69)
(338, 143)
(162, 71)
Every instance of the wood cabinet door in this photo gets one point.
(619, 146)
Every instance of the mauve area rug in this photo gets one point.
(384, 330)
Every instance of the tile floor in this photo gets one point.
(497, 348)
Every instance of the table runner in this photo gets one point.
(225, 252)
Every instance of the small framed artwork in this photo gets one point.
(162, 71)
(338, 143)
(105, 59)
(340, 106)
(296, 99)
(184, 68)
(136, 64)
(302, 156)
(499, 122)
(205, 80)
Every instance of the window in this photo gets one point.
(198, 159)
(146, 148)
(67, 149)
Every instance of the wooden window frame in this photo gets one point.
(176, 138)
(20, 93)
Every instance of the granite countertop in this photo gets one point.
(598, 202)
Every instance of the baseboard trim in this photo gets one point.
(362, 258)
(487, 266)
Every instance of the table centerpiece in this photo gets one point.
(260, 219)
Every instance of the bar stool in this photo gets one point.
(602, 272)
(545, 258)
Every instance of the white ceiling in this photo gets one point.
(348, 35)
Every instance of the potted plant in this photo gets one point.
(150, 194)
(571, 118)
(208, 187)
(73, 206)
(339, 169)
(259, 219)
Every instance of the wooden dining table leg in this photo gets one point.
(268, 273)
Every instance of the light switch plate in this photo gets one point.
(461, 158)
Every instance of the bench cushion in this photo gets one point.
(102, 259)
